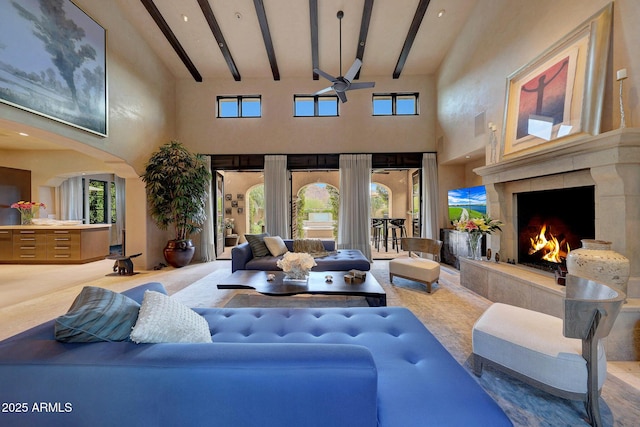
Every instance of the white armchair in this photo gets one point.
(561, 356)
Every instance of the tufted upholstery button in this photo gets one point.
(394, 333)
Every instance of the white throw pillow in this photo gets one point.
(162, 319)
(276, 245)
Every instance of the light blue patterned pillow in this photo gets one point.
(97, 314)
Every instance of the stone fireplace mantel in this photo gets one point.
(609, 161)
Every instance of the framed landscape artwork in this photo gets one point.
(53, 62)
(559, 95)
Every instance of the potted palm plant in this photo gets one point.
(176, 182)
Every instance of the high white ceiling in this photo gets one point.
(289, 26)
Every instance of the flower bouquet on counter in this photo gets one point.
(28, 210)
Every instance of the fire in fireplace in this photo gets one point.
(553, 222)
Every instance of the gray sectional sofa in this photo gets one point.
(342, 260)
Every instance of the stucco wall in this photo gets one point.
(499, 38)
(141, 117)
(277, 131)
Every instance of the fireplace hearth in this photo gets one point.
(551, 223)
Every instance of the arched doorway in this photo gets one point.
(380, 200)
(256, 207)
(316, 211)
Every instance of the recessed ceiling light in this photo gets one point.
(441, 13)
(23, 134)
(185, 18)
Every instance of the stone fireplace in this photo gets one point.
(607, 166)
(610, 163)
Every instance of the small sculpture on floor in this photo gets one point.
(123, 265)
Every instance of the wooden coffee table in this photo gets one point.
(316, 285)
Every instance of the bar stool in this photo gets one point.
(376, 232)
(398, 231)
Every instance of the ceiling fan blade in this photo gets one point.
(342, 96)
(362, 85)
(353, 70)
(325, 90)
(323, 74)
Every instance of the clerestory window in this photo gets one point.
(239, 106)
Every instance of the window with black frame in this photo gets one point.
(395, 104)
(315, 106)
(239, 106)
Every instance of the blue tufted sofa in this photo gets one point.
(266, 367)
(341, 260)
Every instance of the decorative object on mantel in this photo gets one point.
(493, 143)
(296, 265)
(621, 76)
(28, 211)
(598, 262)
(488, 254)
(476, 229)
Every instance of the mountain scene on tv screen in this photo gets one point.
(473, 199)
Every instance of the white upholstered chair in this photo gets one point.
(414, 267)
(561, 356)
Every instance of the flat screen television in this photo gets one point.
(473, 199)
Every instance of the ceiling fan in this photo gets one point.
(341, 84)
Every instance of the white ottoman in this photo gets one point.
(421, 270)
(531, 347)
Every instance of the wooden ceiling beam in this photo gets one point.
(171, 38)
(421, 10)
(364, 30)
(217, 33)
(266, 36)
(313, 16)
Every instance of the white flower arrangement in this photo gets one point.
(296, 265)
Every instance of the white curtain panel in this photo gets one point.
(120, 210)
(207, 236)
(354, 217)
(429, 196)
(276, 196)
(71, 199)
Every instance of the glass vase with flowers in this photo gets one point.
(476, 227)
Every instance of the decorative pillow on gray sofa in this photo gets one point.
(276, 245)
(258, 247)
(97, 314)
(162, 319)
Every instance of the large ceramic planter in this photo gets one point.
(596, 261)
(179, 253)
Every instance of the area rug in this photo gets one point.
(449, 312)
